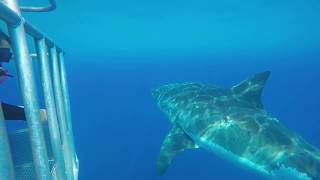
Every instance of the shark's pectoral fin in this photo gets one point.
(251, 89)
(176, 141)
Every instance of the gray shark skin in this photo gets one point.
(233, 123)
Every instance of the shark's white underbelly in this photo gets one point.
(282, 173)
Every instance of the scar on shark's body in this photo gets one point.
(233, 123)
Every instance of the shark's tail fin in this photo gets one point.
(251, 89)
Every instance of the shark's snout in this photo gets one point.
(159, 93)
(163, 92)
(155, 92)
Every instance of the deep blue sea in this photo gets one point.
(119, 128)
(116, 52)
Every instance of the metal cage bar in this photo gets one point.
(51, 108)
(68, 155)
(6, 164)
(65, 92)
(29, 95)
(50, 7)
(14, 19)
(55, 93)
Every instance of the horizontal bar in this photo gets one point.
(35, 33)
(52, 6)
(8, 15)
(49, 42)
(13, 19)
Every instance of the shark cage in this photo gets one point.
(44, 149)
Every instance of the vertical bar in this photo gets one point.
(6, 165)
(65, 92)
(61, 113)
(29, 95)
(51, 108)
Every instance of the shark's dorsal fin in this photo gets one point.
(176, 141)
(251, 89)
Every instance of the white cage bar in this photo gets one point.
(54, 87)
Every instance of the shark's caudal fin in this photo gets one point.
(251, 89)
(176, 141)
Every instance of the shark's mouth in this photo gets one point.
(289, 173)
(222, 152)
(281, 173)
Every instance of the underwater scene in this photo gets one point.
(188, 90)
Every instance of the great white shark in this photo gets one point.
(232, 122)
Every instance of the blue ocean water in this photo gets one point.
(119, 129)
(118, 51)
